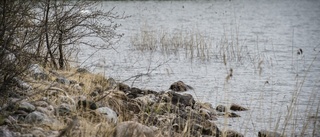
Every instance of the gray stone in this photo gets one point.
(36, 117)
(180, 86)
(64, 109)
(21, 84)
(5, 132)
(147, 99)
(41, 104)
(82, 70)
(26, 106)
(37, 72)
(109, 114)
(63, 80)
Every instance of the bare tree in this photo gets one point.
(66, 23)
(17, 35)
(48, 31)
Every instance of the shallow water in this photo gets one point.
(271, 31)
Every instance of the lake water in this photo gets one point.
(268, 77)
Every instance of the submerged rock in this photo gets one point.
(180, 86)
(265, 133)
(221, 108)
(236, 107)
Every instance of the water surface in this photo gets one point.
(271, 31)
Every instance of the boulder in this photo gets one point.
(236, 107)
(180, 86)
(265, 133)
(135, 129)
(186, 99)
(109, 114)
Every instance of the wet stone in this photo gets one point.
(180, 86)
(221, 108)
(236, 107)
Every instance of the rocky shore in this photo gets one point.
(48, 103)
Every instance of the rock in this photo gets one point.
(37, 72)
(41, 104)
(5, 132)
(231, 133)
(64, 109)
(44, 110)
(228, 114)
(21, 84)
(111, 83)
(36, 117)
(84, 104)
(207, 114)
(236, 107)
(134, 129)
(135, 92)
(123, 87)
(180, 86)
(147, 99)
(265, 133)
(63, 80)
(26, 135)
(186, 99)
(221, 108)
(178, 124)
(38, 133)
(82, 70)
(111, 115)
(26, 106)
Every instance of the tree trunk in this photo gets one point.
(60, 40)
(47, 36)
